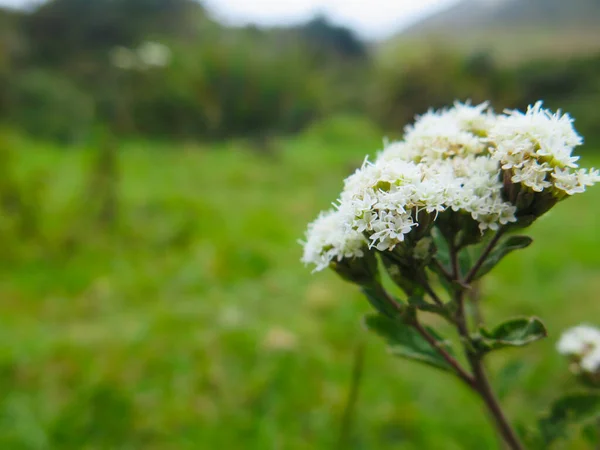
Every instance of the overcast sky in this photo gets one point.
(372, 19)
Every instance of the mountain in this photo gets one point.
(513, 28)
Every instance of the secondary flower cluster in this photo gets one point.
(465, 160)
(582, 345)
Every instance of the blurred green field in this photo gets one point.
(189, 322)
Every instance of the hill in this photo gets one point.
(514, 29)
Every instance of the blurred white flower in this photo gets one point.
(582, 344)
(123, 58)
(154, 54)
(148, 55)
(280, 339)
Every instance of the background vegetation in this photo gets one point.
(150, 288)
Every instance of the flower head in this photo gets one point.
(582, 344)
(465, 162)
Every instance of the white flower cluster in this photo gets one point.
(582, 343)
(329, 239)
(451, 159)
(537, 146)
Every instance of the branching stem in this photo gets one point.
(458, 369)
(486, 252)
(481, 382)
(477, 380)
(442, 270)
(460, 372)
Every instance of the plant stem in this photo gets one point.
(438, 301)
(458, 369)
(460, 372)
(442, 270)
(350, 407)
(474, 296)
(482, 385)
(487, 394)
(486, 252)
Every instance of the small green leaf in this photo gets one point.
(508, 377)
(513, 333)
(403, 340)
(377, 301)
(574, 409)
(504, 248)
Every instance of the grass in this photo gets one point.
(190, 323)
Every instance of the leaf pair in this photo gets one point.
(405, 341)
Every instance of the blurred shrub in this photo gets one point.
(401, 88)
(49, 106)
(232, 87)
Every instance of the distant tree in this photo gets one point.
(327, 39)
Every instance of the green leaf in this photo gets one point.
(591, 433)
(509, 377)
(504, 248)
(377, 301)
(403, 340)
(513, 333)
(442, 250)
(574, 409)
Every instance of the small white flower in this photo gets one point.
(329, 238)
(532, 174)
(583, 344)
(574, 182)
